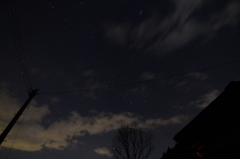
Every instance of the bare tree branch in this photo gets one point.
(132, 142)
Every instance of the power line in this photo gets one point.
(141, 82)
(17, 133)
(25, 63)
(14, 23)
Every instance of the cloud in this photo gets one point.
(120, 31)
(173, 120)
(63, 133)
(88, 73)
(182, 83)
(229, 16)
(9, 106)
(103, 151)
(206, 99)
(54, 100)
(147, 76)
(91, 82)
(36, 113)
(198, 75)
(180, 27)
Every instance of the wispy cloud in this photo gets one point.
(177, 29)
(182, 83)
(119, 31)
(206, 99)
(103, 151)
(198, 75)
(61, 134)
(54, 100)
(173, 120)
(147, 76)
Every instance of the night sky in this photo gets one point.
(99, 64)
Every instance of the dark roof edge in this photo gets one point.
(233, 85)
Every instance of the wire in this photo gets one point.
(16, 134)
(14, 23)
(140, 82)
(23, 51)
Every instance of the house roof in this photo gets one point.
(219, 117)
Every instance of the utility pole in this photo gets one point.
(19, 113)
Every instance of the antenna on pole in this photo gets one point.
(19, 113)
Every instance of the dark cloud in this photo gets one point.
(179, 28)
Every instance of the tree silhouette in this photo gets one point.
(132, 142)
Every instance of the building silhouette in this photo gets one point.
(214, 133)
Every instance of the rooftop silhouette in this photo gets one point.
(215, 132)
